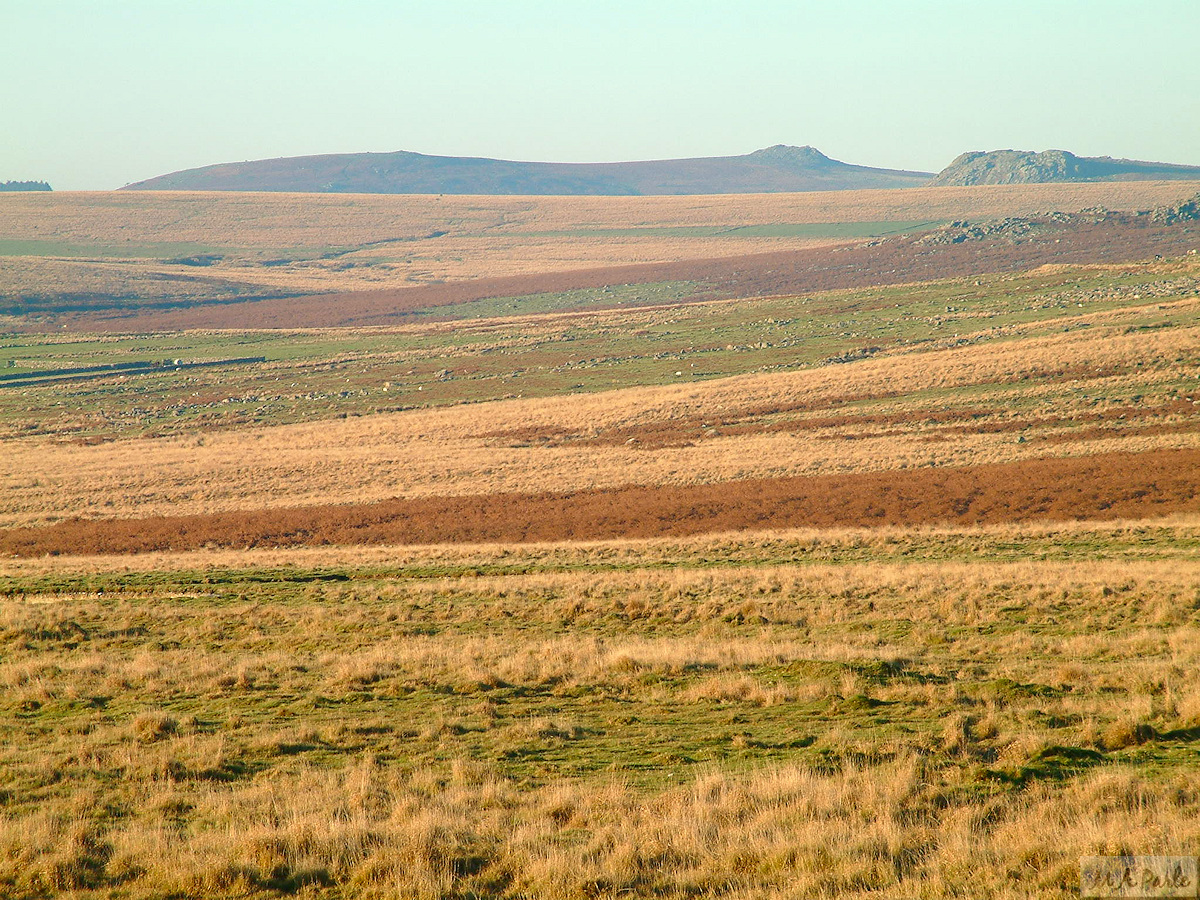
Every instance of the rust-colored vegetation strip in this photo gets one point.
(1103, 486)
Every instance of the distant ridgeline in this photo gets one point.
(773, 169)
(24, 186)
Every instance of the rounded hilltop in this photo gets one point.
(776, 169)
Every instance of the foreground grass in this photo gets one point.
(820, 714)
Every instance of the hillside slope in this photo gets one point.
(1015, 243)
(1028, 167)
(771, 170)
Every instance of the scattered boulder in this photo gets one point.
(1187, 211)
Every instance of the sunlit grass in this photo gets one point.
(930, 712)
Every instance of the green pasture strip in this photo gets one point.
(312, 375)
(620, 295)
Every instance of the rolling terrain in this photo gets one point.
(772, 169)
(103, 260)
(837, 545)
(956, 249)
(1063, 362)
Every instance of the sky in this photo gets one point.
(95, 94)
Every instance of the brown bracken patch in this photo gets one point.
(1103, 486)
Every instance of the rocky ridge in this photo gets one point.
(1015, 229)
(1027, 167)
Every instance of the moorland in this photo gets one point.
(764, 546)
(82, 259)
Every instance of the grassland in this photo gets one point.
(545, 355)
(1064, 362)
(1097, 487)
(891, 714)
(108, 250)
(395, 661)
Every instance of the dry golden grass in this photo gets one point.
(798, 833)
(841, 714)
(319, 220)
(651, 553)
(30, 274)
(389, 244)
(888, 713)
(1039, 389)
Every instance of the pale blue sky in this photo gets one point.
(98, 93)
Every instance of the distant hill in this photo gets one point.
(1027, 167)
(773, 170)
(24, 186)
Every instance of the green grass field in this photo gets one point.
(170, 730)
(616, 296)
(322, 374)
